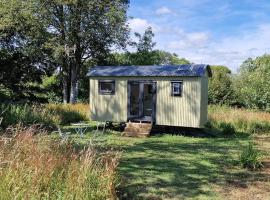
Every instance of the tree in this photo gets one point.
(248, 65)
(145, 54)
(91, 28)
(220, 86)
(165, 58)
(144, 47)
(145, 42)
(252, 83)
(19, 76)
(22, 63)
(70, 32)
(156, 57)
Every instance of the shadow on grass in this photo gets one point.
(194, 132)
(158, 169)
(159, 131)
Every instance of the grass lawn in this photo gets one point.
(183, 167)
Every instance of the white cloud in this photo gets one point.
(197, 38)
(230, 51)
(163, 11)
(204, 47)
(139, 25)
(189, 40)
(227, 36)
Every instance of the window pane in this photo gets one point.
(176, 88)
(106, 87)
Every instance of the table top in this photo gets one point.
(79, 124)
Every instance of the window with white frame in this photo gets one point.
(106, 87)
(177, 87)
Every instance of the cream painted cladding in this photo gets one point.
(204, 100)
(189, 110)
(108, 107)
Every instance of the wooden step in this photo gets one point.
(138, 125)
(132, 129)
(135, 134)
(137, 129)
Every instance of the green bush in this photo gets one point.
(250, 158)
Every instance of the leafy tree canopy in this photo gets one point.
(61, 35)
(252, 83)
(220, 85)
(145, 54)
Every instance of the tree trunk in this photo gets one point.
(76, 64)
(65, 62)
(65, 80)
(65, 91)
(74, 85)
(74, 92)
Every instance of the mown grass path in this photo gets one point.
(177, 167)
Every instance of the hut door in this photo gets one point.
(141, 100)
(134, 100)
(148, 92)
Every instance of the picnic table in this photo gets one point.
(80, 128)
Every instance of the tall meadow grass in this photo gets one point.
(47, 115)
(242, 120)
(32, 167)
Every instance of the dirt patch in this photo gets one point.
(241, 191)
(250, 185)
(266, 164)
(263, 143)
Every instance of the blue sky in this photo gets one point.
(223, 32)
